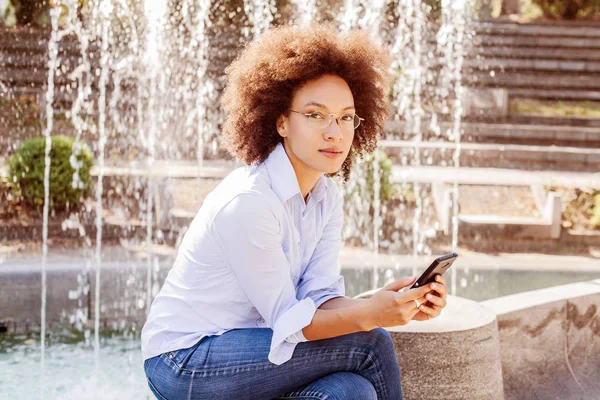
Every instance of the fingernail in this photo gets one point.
(429, 297)
(433, 286)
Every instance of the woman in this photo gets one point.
(253, 307)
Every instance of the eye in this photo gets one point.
(347, 117)
(316, 115)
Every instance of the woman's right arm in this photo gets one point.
(385, 308)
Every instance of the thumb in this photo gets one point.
(400, 283)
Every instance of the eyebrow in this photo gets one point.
(314, 103)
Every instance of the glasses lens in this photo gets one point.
(319, 120)
(346, 122)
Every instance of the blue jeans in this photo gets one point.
(234, 365)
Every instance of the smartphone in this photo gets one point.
(437, 267)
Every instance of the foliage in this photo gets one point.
(26, 169)
(555, 108)
(594, 211)
(569, 9)
(581, 209)
(366, 169)
(359, 196)
(28, 11)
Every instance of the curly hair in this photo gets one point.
(262, 80)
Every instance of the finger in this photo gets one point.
(412, 304)
(440, 279)
(432, 312)
(441, 289)
(416, 293)
(410, 307)
(435, 300)
(400, 283)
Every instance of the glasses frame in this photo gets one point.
(334, 115)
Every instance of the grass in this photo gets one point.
(590, 109)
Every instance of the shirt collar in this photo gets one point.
(283, 178)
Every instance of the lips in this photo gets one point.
(331, 150)
(331, 153)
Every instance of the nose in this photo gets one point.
(333, 132)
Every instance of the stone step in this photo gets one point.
(509, 133)
(585, 82)
(494, 176)
(533, 64)
(37, 76)
(537, 133)
(495, 155)
(555, 28)
(536, 120)
(554, 94)
(540, 53)
(555, 41)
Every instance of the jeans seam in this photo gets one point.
(207, 371)
(155, 390)
(377, 375)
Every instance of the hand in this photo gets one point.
(435, 301)
(387, 307)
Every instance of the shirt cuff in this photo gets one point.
(294, 319)
(297, 337)
(317, 287)
(325, 295)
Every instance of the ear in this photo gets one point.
(281, 125)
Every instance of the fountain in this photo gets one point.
(144, 90)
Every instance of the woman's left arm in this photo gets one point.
(340, 302)
(321, 280)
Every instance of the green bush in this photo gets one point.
(26, 169)
(569, 9)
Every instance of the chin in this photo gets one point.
(332, 170)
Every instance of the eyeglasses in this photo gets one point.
(319, 120)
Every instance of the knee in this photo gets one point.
(382, 342)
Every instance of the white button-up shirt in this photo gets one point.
(255, 255)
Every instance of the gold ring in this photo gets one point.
(417, 303)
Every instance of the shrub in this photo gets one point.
(26, 169)
(569, 9)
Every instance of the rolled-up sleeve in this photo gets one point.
(249, 235)
(321, 280)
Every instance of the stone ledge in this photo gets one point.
(455, 356)
(550, 342)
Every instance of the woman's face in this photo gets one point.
(312, 147)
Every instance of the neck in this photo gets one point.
(306, 176)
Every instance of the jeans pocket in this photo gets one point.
(181, 357)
